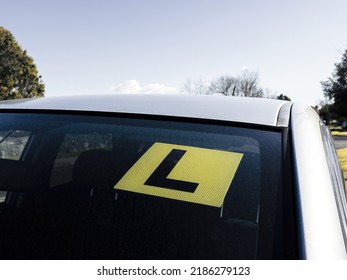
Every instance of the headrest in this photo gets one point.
(95, 169)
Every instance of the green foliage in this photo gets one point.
(335, 88)
(327, 113)
(18, 74)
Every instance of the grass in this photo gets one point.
(342, 154)
(339, 133)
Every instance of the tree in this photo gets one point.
(246, 85)
(249, 85)
(225, 85)
(335, 88)
(283, 97)
(326, 113)
(18, 74)
(197, 87)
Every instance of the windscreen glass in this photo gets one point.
(92, 187)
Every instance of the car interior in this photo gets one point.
(60, 200)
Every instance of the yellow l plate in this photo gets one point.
(186, 173)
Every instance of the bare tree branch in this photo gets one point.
(247, 85)
(225, 85)
(197, 87)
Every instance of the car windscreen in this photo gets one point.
(134, 187)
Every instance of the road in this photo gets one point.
(340, 142)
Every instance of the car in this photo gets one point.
(168, 177)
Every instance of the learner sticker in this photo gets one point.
(186, 173)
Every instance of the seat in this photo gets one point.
(26, 185)
(94, 172)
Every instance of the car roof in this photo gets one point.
(236, 109)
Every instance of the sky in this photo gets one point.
(152, 46)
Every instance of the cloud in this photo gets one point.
(133, 86)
